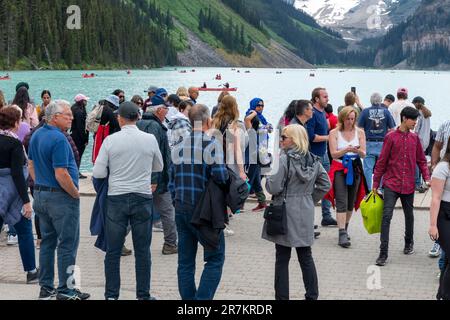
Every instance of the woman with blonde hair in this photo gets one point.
(183, 94)
(301, 182)
(347, 148)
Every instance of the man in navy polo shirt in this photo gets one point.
(317, 129)
(56, 201)
(376, 121)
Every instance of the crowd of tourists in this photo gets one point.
(167, 163)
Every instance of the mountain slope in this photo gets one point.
(33, 33)
(423, 41)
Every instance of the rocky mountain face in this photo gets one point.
(358, 19)
(423, 41)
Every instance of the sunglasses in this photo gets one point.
(121, 97)
(283, 138)
(260, 105)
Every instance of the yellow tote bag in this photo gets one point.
(372, 212)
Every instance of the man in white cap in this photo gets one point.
(79, 133)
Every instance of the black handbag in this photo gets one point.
(275, 215)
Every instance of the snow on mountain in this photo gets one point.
(357, 19)
(327, 12)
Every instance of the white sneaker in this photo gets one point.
(12, 240)
(228, 232)
(435, 251)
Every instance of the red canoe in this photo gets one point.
(5, 78)
(217, 89)
(87, 76)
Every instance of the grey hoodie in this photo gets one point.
(308, 183)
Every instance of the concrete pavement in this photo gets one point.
(249, 267)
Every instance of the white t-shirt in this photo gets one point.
(131, 157)
(442, 172)
(396, 109)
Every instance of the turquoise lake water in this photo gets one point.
(276, 89)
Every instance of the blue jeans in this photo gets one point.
(59, 218)
(441, 262)
(418, 177)
(326, 205)
(373, 151)
(24, 231)
(12, 231)
(188, 239)
(135, 210)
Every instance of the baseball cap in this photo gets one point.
(402, 90)
(161, 91)
(114, 100)
(157, 101)
(81, 97)
(419, 100)
(151, 89)
(129, 110)
(390, 97)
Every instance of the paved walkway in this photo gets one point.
(421, 201)
(249, 266)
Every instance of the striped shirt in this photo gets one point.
(397, 163)
(188, 177)
(442, 136)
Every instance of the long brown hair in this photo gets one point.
(228, 112)
(447, 153)
(425, 111)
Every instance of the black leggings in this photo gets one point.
(444, 240)
(283, 256)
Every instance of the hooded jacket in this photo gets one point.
(180, 127)
(308, 183)
(151, 124)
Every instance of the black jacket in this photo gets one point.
(210, 215)
(79, 133)
(151, 124)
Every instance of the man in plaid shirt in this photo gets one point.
(401, 152)
(195, 161)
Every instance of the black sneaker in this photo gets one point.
(33, 278)
(381, 261)
(409, 249)
(47, 294)
(330, 222)
(73, 295)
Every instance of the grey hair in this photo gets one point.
(199, 113)
(55, 107)
(376, 99)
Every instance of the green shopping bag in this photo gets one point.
(372, 212)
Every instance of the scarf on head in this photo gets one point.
(253, 105)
